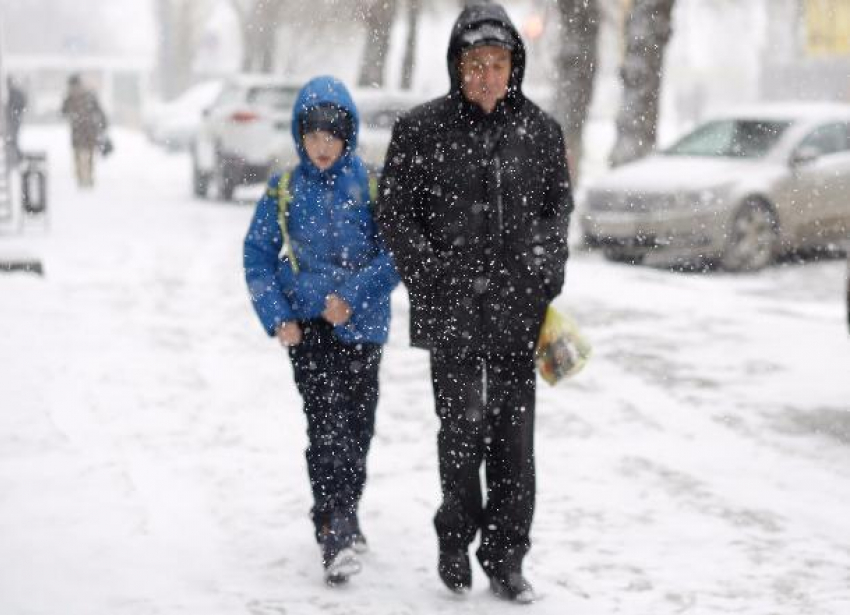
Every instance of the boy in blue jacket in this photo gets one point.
(320, 281)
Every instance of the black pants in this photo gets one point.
(338, 384)
(486, 407)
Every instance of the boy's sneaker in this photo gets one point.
(339, 567)
(359, 544)
(338, 557)
(512, 586)
(455, 571)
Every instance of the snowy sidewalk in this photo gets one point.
(151, 439)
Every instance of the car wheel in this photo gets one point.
(752, 238)
(618, 255)
(223, 180)
(200, 181)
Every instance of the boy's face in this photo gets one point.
(484, 75)
(323, 149)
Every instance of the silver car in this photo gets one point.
(739, 190)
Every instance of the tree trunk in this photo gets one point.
(258, 24)
(409, 64)
(648, 31)
(178, 22)
(379, 19)
(576, 63)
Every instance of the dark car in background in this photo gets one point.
(738, 190)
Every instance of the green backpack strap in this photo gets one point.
(373, 188)
(281, 193)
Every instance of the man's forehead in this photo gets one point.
(485, 53)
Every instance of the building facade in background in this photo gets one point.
(809, 55)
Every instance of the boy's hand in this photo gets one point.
(337, 311)
(289, 334)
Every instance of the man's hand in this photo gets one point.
(337, 311)
(289, 334)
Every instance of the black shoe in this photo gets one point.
(512, 586)
(455, 571)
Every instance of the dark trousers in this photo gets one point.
(485, 403)
(338, 384)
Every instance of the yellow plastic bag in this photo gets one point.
(561, 350)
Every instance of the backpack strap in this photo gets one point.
(282, 195)
(373, 188)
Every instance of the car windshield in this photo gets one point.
(730, 139)
(273, 97)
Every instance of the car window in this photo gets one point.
(228, 96)
(271, 96)
(731, 138)
(827, 139)
(380, 118)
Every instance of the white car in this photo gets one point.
(244, 135)
(174, 124)
(739, 189)
(378, 112)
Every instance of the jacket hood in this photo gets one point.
(473, 16)
(325, 90)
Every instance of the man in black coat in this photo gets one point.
(474, 204)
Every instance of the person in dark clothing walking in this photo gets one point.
(16, 104)
(474, 205)
(88, 125)
(320, 281)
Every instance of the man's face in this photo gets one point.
(323, 148)
(484, 75)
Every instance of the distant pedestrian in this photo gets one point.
(88, 125)
(474, 206)
(16, 104)
(320, 282)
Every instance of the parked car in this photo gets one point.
(739, 189)
(244, 135)
(378, 111)
(174, 124)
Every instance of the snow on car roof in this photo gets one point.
(252, 79)
(793, 110)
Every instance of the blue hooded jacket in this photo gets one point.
(333, 237)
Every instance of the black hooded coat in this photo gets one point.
(475, 208)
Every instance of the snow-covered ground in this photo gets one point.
(151, 439)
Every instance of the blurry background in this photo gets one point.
(139, 52)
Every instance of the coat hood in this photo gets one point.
(473, 16)
(325, 90)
